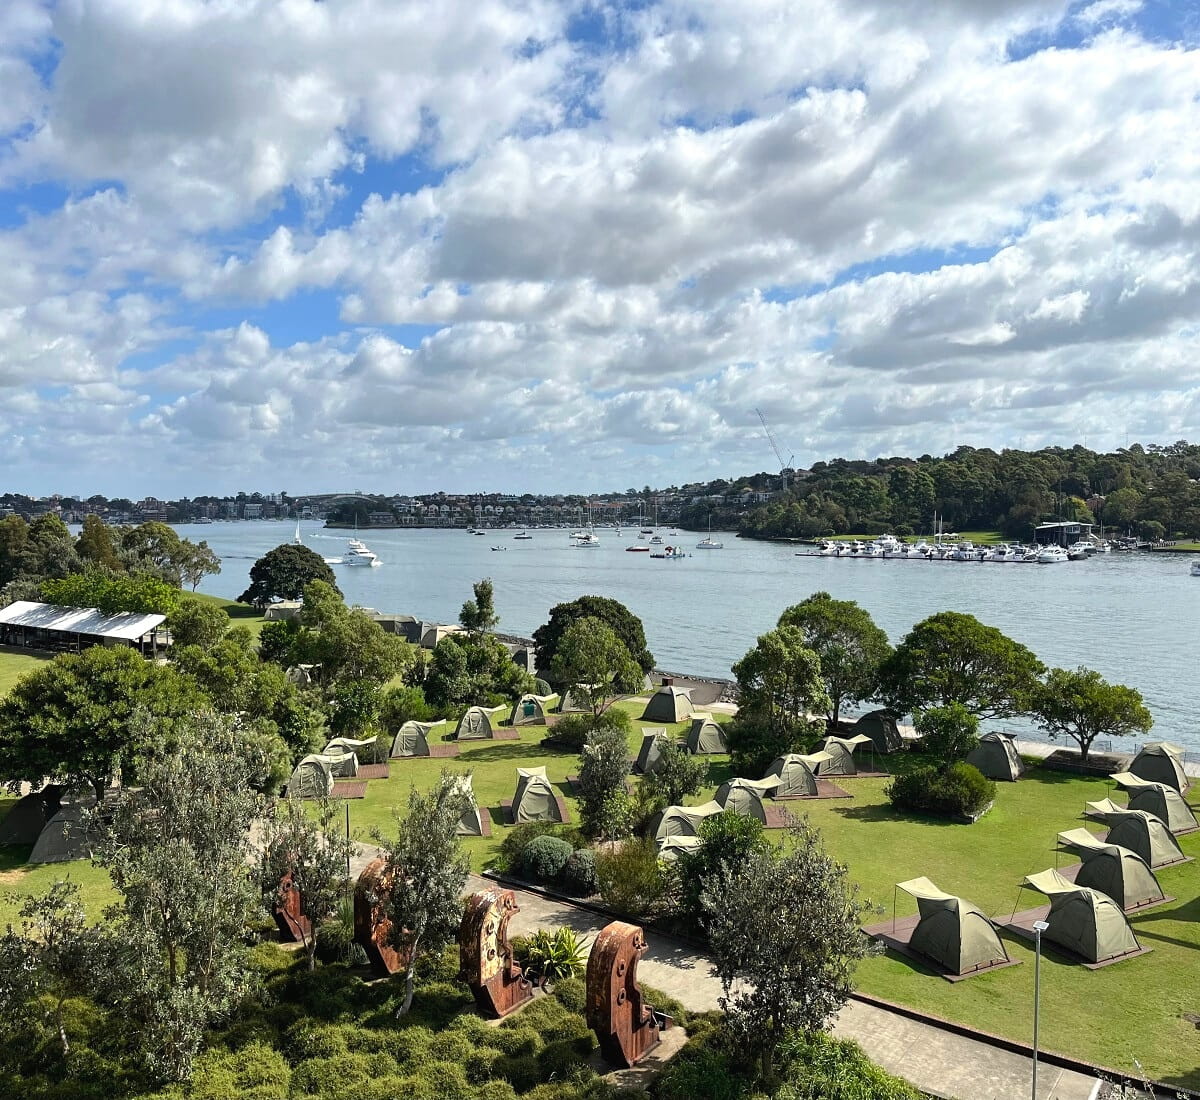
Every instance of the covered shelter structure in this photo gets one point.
(1121, 874)
(840, 751)
(951, 932)
(72, 629)
(882, 727)
(1159, 799)
(996, 756)
(796, 774)
(1084, 921)
(365, 752)
(412, 739)
(669, 704)
(1159, 762)
(311, 778)
(531, 710)
(534, 799)
(706, 737)
(682, 820)
(745, 796)
(478, 724)
(649, 756)
(1138, 831)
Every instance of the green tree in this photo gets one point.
(354, 707)
(95, 544)
(314, 852)
(111, 593)
(783, 930)
(447, 680)
(197, 561)
(345, 641)
(726, 840)
(71, 720)
(677, 775)
(478, 616)
(779, 685)
(850, 646)
(428, 871)
(194, 622)
(952, 657)
(284, 573)
(177, 855)
(623, 622)
(1080, 704)
(593, 663)
(14, 538)
(603, 768)
(947, 733)
(49, 550)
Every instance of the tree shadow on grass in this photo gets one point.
(15, 857)
(242, 611)
(886, 813)
(506, 750)
(501, 816)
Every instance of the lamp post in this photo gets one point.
(1039, 926)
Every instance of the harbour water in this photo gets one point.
(1129, 616)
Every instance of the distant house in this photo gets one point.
(1061, 534)
(380, 519)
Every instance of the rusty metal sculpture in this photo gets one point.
(293, 925)
(626, 1026)
(372, 929)
(485, 957)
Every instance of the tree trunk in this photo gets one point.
(62, 1031)
(406, 1004)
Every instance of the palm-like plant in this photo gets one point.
(555, 956)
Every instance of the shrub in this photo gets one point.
(959, 790)
(512, 848)
(677, 775)
(480, 1064)
(513, 1038)
(579, 873)
(816, 1066)
(727, 838)
(344, 1075)
(630, 878)
(495, 1090)
(603, 765)
(335, 936)
(699, 1070)
(571, 994)
(437, 1003)
(948, 733)
(450, 1047)
(573, 729)
(256, 1072)
(544, 858)
(306, 1039)
(521, 1071)
(554, 956)
(559, 1059)
(403, 704)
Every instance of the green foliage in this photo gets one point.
(194, 622)
(592, 662)
(779, 684)
(466, 671)
(255, 1072)
(344, 641)
(848, 644)
(572, 994)
(677, 775)
(1080, 704)
(579, 875)
(478, 615)
(544, 858)
(113, 593)
(284, 573)
(958, 790)
(398, 705)
(816, 1066)
(95, 545)
(353, 707)
(603, 767)
(630, 877)
(952, 657)
(727, 840)
(947, 733)
(700, 1070)
(196, 561)
(623, 622)
(574, 729)
(555, 956)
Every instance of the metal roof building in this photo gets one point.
(45, 626)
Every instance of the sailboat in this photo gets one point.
(296, 537)
(709, 543)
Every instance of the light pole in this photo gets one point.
(1039, 926)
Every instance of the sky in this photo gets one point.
(487, 245)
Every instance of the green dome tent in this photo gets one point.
(23, 824)
(471, 823)
(342, 765)
(364, 751)
(1138, 831)
(66, 836)
(1121, 874)
(477, 723)
(682, 820)
(668, 704)
(996, 756)
(654, 740)
(796, 774)
(841, 755)
(311, 778)
(706, 737)
(670, 847)
(1083, 920)
(531, 710)
(1162, 762)
(882, 728)
(953, 932)
(534, 799)
(1159, 799)
(745, 796)
(412, 739)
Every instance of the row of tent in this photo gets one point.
(476, 724)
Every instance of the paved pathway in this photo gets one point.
(937, 1061)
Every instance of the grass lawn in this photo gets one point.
(14, 663)
(242, 614)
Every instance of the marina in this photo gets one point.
(1130, 616)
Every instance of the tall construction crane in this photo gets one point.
(783, 466)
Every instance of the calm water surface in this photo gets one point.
(1129, 616)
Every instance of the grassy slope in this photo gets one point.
(14, 663)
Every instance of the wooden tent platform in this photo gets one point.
(863, 775)
(563, 812)
(349, 788)
(826, 788)
(1021, 924)
(896, 935)
(373, 771)
(442, 750)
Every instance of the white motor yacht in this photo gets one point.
(1051, 555)
(522, 535)
(828, 549)
(587, 539)
(357, 554)
(1078, 552)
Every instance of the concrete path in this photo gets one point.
(937, 1061)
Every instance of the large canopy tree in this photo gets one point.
(71, 720)
(1079, 703)
(623, 622)
(952, 657)
(847, 641)
(592, 662)
(283, 574)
